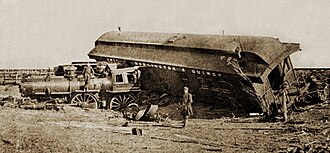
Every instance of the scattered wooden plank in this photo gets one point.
(200, 141)
(213, 149)
(171, 139)
(251, 128)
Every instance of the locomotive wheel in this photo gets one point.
(131, 110)
(156, 99)
(85, 100)
(121, 101)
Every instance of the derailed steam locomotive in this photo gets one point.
(110, 87)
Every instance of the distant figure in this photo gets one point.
(186, 106)
(137, 75)
(238, 53)
(88, 73)
(102, 70)
(119, 28)
(313, 87)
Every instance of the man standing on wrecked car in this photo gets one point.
(88, 72)
(186, 106)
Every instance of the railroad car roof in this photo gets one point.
(265, 47)
(198, 51)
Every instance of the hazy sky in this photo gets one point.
(45, 33)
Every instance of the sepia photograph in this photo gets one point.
(164, 76)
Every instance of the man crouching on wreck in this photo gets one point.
(186, 106)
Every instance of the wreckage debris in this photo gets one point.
(147, 114)
(314, 146)
(28, 103)
(136, 131)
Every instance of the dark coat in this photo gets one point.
(186, 102)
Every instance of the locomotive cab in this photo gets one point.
(125, 80)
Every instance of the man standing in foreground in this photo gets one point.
(186, 106)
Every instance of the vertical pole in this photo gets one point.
(4, 77)
(284, 105)
(16, 78)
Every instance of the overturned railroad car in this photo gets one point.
(243, 72)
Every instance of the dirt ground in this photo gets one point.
(74, 129)
(78, 130)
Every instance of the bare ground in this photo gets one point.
(81, 130)
(78, 130)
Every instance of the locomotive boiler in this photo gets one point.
(110, 88)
